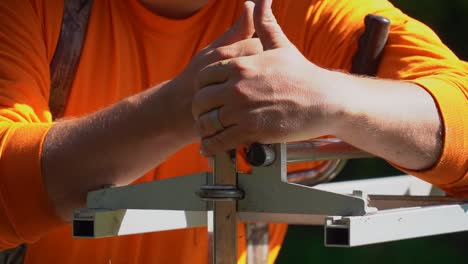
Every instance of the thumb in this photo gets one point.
(266, 27)
(242, 29)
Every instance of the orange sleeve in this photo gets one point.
(25, 210)
(413, 53)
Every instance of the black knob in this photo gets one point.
(260, 155)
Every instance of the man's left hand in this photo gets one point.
(274, 96)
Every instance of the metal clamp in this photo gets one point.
(220, 193)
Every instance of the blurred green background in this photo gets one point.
(304, 244)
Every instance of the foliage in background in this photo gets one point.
(447, 18)
(304, 244)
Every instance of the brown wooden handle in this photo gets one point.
(371, 45)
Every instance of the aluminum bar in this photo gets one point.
(96, 223)
(395, 185)
(396, 224)
(178, 193)
(91, 223)
(382, 202)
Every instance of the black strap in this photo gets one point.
(13, 255)
(67, 53)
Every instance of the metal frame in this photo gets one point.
(354, 212)
(395, 224)
(131, 221)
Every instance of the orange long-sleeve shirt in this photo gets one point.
(128, 49)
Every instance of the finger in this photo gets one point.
(208, 98)
(217, 72)
(266, 27)
(246, 47)
(229, 138)
(210, 123)
(242, 29)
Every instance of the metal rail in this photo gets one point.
(404, 210)
(396, 224)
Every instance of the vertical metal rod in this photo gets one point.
(222, 221)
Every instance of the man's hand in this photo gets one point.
(236, 42)
(120, 143)
(279, 96)
(267, 98)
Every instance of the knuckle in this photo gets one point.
(222, 53)
(240, 92)
(254, 46)
(243, 68)
(239, 66)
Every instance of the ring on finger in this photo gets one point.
(213, 116)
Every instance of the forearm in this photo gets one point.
(115, 145)
(397, 121)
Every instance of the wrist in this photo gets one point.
(175, 106)
(156, 115)
(338, 99)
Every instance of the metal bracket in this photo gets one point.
(354, 212)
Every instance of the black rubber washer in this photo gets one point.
(220, 193)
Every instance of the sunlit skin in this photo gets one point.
(268, 82)
(279, 96)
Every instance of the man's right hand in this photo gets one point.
(120, 143)
(234, 43)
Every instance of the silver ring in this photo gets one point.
(213, 116)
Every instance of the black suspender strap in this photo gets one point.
(67, 53)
